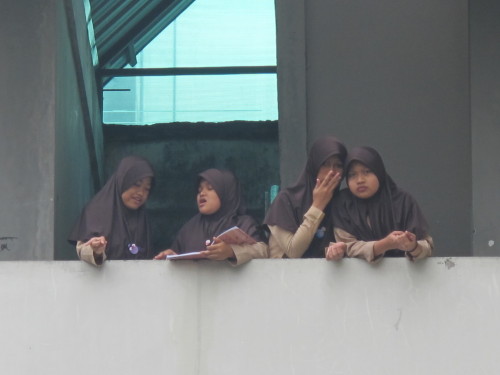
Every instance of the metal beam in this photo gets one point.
(80, 77)
(145, 72)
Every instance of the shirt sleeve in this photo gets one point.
(423, 250)
(86, 254)
(364, 249)
(244, 253)
(285, 244)
(355, 248)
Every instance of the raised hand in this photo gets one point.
(98, 244)
(323, 191)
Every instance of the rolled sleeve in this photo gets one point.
(86, 254)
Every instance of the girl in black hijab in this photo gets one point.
(220, 208)
(299, 218)
(114, 224)
(374, 217)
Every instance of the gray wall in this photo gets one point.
(292, 93)
(485, 111)
(393, 75)
(27, 118)
(45, 169)
(302, 316)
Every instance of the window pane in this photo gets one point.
(250, 97)
(210, 33)
(216, 33)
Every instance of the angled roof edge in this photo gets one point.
(122, 30)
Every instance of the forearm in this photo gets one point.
(355, 248)
(381, 246)
(244, 253)
(294, 245)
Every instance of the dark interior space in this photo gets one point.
(179, 151)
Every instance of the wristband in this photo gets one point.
(415, 248)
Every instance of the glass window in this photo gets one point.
(210, 33)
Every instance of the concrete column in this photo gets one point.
(27, 120)
(45, 173)
(485, 116)
(292, 93)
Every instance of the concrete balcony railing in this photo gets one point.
(439, 316)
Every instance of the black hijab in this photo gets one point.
(288, 209)
(199, 228)
(390, 209)
(106, 215)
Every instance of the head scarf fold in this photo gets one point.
(106, 215)
(390, 209)
(288, 209)
(199, 228)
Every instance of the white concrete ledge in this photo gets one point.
(439, 316)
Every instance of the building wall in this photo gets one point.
(485, 116)
(46, 174)
(291, 51)
(439, 316)
(393, 75)
(27, 117)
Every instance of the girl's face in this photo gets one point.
(362, 182)
(136, 195)
(333, 163)
(207, 199)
